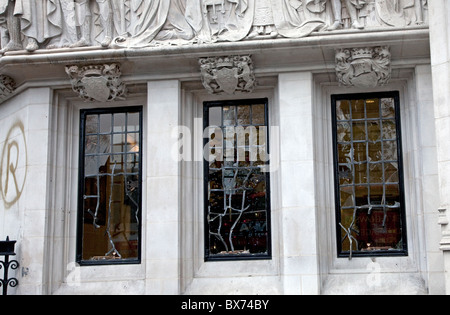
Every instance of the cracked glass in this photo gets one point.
(110, 186)
(370, 202)
(237, 205)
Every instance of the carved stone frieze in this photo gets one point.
(101, 83)
(228, 74)
(7, 86)
(50, 24)
(363, 67)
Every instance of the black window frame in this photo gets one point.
(379, 253)
(81, 187)
(208, 257)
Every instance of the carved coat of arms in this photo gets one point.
(100, 83)
(228, 75)
(365, 67)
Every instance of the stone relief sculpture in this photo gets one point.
(353, 6)
(40, 21)
(401, 13)
(226, 20)
(163, 20)
(49, 24)
(293, 18)
(263, 22)
(101, 83)
(229, 74)
(12, 25)
(365, 67)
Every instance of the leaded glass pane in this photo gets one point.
(109, 226)
(371, 218)
(237, 203)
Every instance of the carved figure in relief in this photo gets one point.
(40, 21)
(183, 22)
(294, 19)
(104, 17)
(401, 13)
(263, 23)
(226, 20)
(12, 25)
(353, 6)
(162, 20)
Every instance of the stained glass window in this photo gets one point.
(368, 167)
(237, 203)
(109, 227)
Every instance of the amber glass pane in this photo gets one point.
(373, 108)
(258, 115)
(358, 109)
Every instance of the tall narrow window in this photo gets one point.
(109, 226)
(368, 170)
(237, 204)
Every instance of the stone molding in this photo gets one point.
(227, 75)
(100, 83)
(364, 67)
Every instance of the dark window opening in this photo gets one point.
(109, 223)
(237, 190)
(368, 164)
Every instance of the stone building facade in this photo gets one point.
(226, 147)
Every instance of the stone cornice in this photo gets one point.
(270, 55)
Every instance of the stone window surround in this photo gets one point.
(419, 158)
